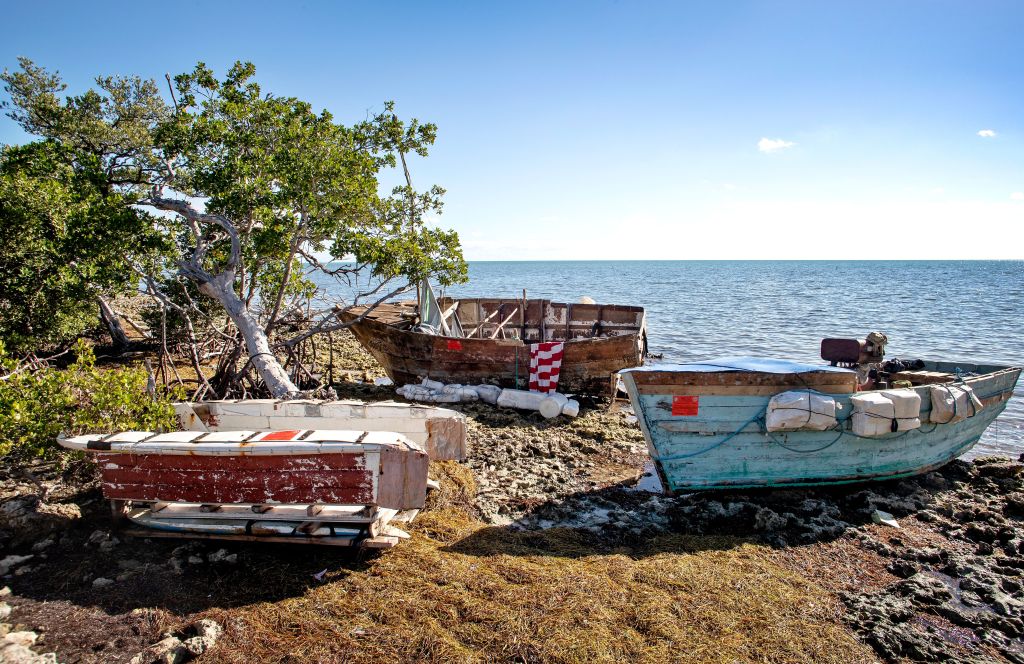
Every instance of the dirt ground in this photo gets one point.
(541, 548)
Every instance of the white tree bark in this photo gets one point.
(221, 287)
(117, 333)
(256, 342)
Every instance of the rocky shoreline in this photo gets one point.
(943, 586)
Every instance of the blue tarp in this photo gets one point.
(747, 364)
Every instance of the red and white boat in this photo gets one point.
(314, 486)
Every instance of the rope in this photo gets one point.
(817, 449)
(725, 440)
(517, 368)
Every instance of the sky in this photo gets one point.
(634, 130)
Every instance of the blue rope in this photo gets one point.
(817, 449)
(725, 440)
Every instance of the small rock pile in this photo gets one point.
(15, 646)
(182, 646)
(28, 518)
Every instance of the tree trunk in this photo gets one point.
(256, 341)
(113, 323)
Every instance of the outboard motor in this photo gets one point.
(854, 352)
(864, 355)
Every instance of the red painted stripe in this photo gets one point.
(277, 463)
(278, 435)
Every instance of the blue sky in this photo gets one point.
(631, 130)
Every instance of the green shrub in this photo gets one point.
(37, 405)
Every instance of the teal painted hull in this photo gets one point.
(724, 445)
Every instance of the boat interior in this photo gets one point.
(932, 373)
(868, 356)
(527, 320)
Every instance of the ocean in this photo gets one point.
(696, 310)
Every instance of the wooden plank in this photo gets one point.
(184, 463)
(379, 525)
(501, 325)
(380, 542)
(315, 541)
(446, 439)
(743, 379)
(335, 491)
(402, 483)
(269, 478)
(480, 326)
(356, 514)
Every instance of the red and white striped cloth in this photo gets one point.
(545, 365)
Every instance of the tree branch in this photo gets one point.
(293, 247)
(194, 217)
(322, 326)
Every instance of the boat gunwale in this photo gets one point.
(351, 316)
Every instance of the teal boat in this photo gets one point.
(746, 422)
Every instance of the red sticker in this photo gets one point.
(454, 344)
(280, 435)
(685, 405)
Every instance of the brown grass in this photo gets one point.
(462, 591)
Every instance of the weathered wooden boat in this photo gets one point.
(599, 341)
(311, 486)
(707, 423)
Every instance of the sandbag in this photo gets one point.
(521, 399)
(425, 394)
(552, 405)
(465, 393)
(800, 409)
(488, 393)
(907, 406)
(873, 414)
(952, 403)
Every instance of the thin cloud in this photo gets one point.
(773, 144)
(1017, 196)
(987, 133)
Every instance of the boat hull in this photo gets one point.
(721, 443)
(407, 357)
(260, 468)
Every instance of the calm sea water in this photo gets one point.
(942, 310)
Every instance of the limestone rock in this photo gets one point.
(26, 519)
(10, 562)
